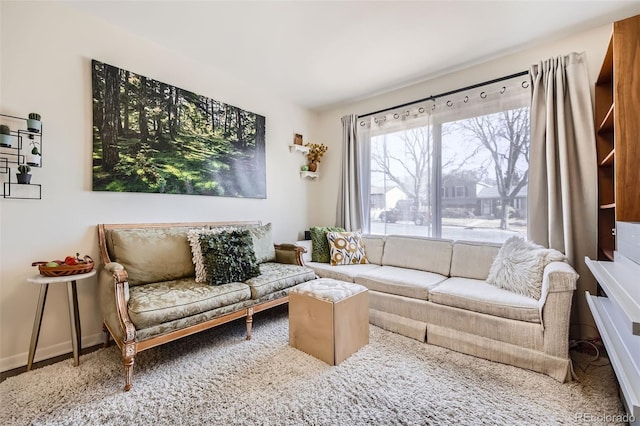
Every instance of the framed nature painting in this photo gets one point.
(149, 136)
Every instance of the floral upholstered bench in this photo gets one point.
(160, 282)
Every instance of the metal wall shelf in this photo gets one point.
(15, 154)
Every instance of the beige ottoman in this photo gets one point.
(329, 319)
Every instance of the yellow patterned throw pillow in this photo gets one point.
(346, 248)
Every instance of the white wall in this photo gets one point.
(46, 50)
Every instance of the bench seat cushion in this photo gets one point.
(156, 303)
(277, 276)
(400, 281)
(479, 296)
(346, 273)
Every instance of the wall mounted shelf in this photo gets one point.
(299, 148)
(304, 150)
(23, 139)
(309, 175)
(22, 191)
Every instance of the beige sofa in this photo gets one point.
(434, 290)
(149, 295)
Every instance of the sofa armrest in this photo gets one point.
(558, 285)
(117, 271)
(308, 246)
(289, 253)
(559, 276)
(114, 298)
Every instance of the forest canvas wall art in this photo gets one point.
(150, 136)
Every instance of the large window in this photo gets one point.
(456, 169)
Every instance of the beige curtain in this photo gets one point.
(563, 192)
(353, 185)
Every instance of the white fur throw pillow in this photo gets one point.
(519, 266)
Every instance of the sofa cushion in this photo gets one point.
(229, 257)
(425, 254)
(320, 252)
(152, 255)
(401, 281)
(262, 245)
(473, 259)
(161, 302)
(346, 248)
(479, 296)
(277, 276)
(193, 236)
(346, 273)
(519, 266)
(373, 247)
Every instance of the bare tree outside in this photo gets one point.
(483, 171)
(408, 164)
(505, 135)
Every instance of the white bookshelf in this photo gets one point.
(620, 281)
(617, 316)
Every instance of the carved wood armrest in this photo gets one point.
(118, 271)
(118, 295)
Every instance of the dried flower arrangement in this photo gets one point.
(316, 151)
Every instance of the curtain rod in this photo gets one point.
(433, 97)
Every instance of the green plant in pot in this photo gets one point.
(33, 159)
(33, 122)
(6, 140)
(23, 175)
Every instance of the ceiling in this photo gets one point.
(321, 53)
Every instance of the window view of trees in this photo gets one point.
(464, 179)
(405, 165)
(149, 136)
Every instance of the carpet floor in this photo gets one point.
(217, 377)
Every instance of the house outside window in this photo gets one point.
(459, 168)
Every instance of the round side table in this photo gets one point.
(74, 315)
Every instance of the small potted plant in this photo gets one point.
(6, 140)
(316, 151)
(33, 122)
(33, 159)
(23, 175)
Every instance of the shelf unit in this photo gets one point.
(617, 316)
(15, 154)
(617, 129)
(304, 150)
(299, 148)
(618, 281)
(309, 175)
(616, 306)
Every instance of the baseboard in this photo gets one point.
(20, 360)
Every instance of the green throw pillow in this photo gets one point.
(229, 257)
(319, 244)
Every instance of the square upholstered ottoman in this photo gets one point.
(329, 319)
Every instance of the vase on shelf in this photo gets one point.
(313, 166)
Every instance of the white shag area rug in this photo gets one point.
(218, 378)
